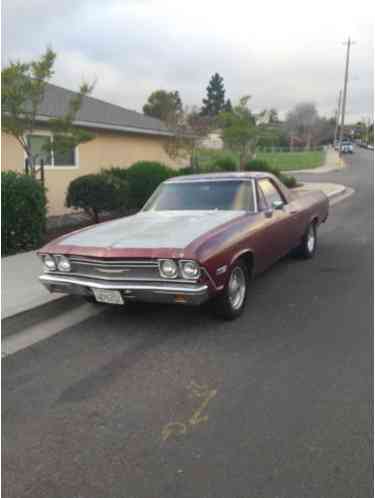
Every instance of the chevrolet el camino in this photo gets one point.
(198, 237)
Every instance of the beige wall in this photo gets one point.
(106, 149)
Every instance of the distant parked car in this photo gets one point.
(198, 237)
(346, 147)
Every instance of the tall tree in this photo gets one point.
(214, 103)
(228, 106)
(164, 105)
(23, 89)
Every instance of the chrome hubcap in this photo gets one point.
(237, 288)
(311, 239)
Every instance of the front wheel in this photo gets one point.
(231, 302)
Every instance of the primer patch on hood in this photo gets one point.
(152, 230)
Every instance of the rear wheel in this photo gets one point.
(231, 302)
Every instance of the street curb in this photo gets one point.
(33, 316)
(341, 196)
(337, 193)
(321, 170)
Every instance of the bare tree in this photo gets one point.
(302, 121)
(188, 132)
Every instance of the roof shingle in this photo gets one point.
(98, 113)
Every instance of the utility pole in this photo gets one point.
(348, 44)
(337, 118)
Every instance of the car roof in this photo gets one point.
(231, 175)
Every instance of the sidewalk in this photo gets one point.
(332, 162)
(22, 290)
(332, 190)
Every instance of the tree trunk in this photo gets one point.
(95, 215)
(242, 161)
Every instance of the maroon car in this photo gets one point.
(198, 237)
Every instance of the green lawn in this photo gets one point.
(284, 161)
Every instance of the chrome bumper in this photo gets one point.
(157, 292)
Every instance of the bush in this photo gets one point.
(96, 193)
(288, 181)
(116, 172)
(226, 163)
(188, 170)
(24, 213)
(260, 165)
(143, 178)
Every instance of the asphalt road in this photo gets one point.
(159, 402)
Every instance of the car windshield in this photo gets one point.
(202, 195)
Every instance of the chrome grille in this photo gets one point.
(115, 269)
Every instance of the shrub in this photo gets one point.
(260, 165)
(116, 172)
(226, 163)
(288, 181)
(186, 171)
(24, 212)
(143, 178)
(96, 193)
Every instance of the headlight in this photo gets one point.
(63, 263)
(49, 263)
(190, 270)
(168, 268)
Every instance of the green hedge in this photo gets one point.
(260, 165)
(97, 193)
(143, 178)
(23, 211)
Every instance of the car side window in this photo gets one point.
(262, 203)
(270, 192)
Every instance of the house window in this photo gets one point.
(64, 158)
(56, 158)
(37, 144)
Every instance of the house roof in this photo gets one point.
(95, 113)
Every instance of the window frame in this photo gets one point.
(52, 166)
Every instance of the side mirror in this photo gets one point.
(277, 204)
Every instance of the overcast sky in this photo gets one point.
(280, 52)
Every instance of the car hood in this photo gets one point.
(151, 230)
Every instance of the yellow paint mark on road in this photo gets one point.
(173, 428)
(197, 415)
(195, 391)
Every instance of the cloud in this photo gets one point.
(279, 52)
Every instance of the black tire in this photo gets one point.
(307, 248)
(225, 305)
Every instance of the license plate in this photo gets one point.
(108, 296)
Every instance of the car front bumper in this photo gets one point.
(157, 292)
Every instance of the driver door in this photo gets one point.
(279, 223)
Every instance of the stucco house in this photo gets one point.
(122, 137)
